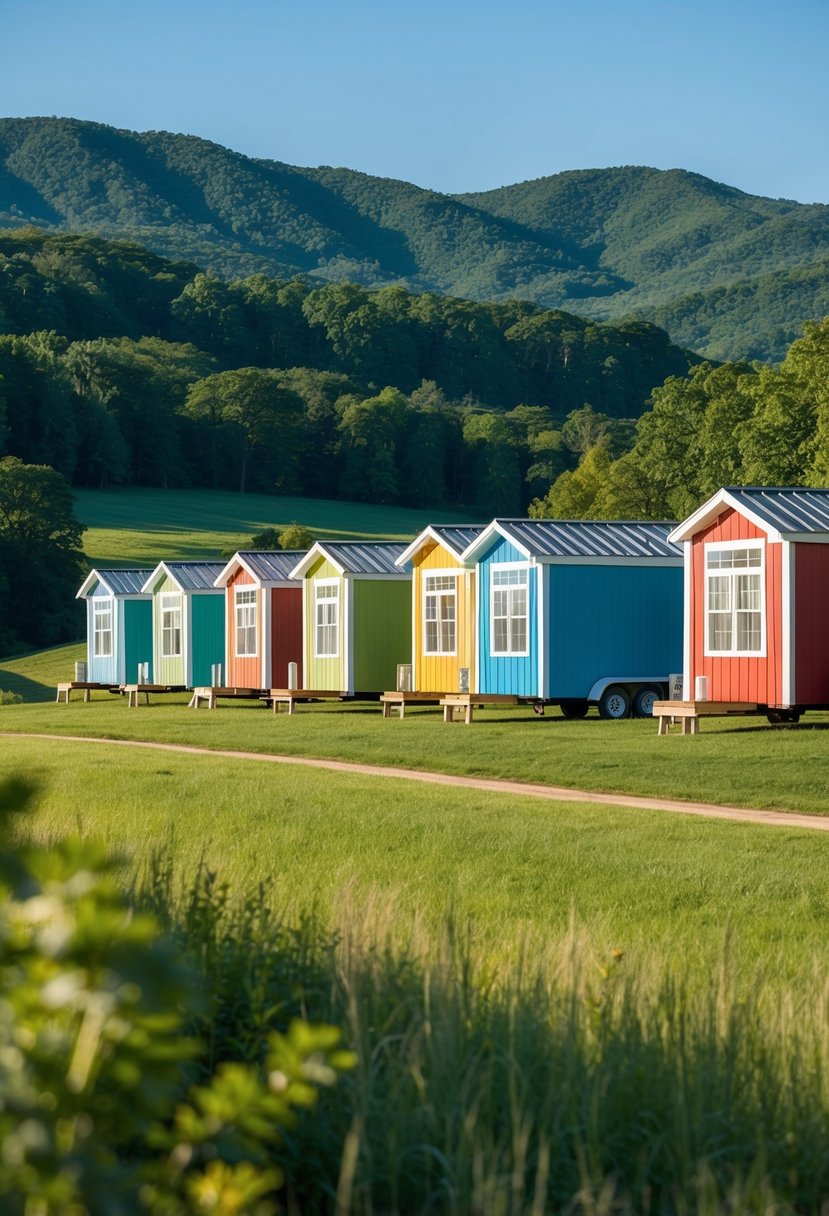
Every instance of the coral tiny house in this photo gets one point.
(756, 589)
(357, 616)
(119, 625)
(188, 622)
(575, 613)
(263, 608)
(443, 609)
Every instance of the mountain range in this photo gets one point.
(728, 274)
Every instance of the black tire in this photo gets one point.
(783, 717)
(574, 709)
(643, 700)
(614, 702)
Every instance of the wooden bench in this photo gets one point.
(688, 713)
(455, 704)
(399, 701)
(65, 689)
(209, 696)
(134, 692)
(290, 697)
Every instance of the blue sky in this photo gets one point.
(454, 96)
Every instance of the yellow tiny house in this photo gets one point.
(443, 609)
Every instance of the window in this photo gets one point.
(734, 601)
(439, 614)
(509, 611)
(102, 629)
(246, 620)
(327, 597)
(170, 626)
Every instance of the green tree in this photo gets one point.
(40, 556)
(372, 429)
(264, 418)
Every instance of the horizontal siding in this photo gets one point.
(619, 620)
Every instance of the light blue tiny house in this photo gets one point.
(119, 625)
(188, 622)
(578, 612)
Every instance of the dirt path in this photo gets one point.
(553, 793)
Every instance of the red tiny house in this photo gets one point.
(263, 607)
(756, 582)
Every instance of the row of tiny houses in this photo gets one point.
(568, 612)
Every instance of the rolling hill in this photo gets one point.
(733, 272)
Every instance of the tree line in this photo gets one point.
(733, 424)
(119, 366)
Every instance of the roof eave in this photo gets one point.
(316, 551)
(470, 553)
(705, 515)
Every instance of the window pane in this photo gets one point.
(749, 630)
(719, 631)
(499, 635)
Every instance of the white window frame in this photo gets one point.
(441, 595)
(100, 606)
(174, 604)
(733, 572)
(506, 568)
(244, 619)
(319, 601)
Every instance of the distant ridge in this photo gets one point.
(730, 274)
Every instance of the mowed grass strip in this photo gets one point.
(741, 762)
(144, 527)
(516, 869)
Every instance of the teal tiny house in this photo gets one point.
(357, 616)
(576, 612)
(188, 615)
(119, 625)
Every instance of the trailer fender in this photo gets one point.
(631, 682)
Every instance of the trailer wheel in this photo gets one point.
(614, 702)
(643, 701)
(574, 709)
(783, 717)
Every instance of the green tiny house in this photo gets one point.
(188, 622)
(357, 616)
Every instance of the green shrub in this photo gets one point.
(10, 698)
(100, 1109)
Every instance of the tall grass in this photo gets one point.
(567, 1081)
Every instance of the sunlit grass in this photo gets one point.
(144, 527)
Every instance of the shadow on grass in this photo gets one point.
(29, 690)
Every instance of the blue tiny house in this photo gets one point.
(577, 612)
(119, 625)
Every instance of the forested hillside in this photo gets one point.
(734, 274)
(118, 366)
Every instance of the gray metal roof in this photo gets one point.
(272, 565)
(195, 576)
(592, 537)
(365, 557)
(787, 508)
(123, 582)
(458, 536)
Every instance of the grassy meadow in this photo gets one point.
(144, 527)
(555, 1007)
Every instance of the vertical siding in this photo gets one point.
(286, 634)
(382, 631)
(207, 634)
(439, 673)
(744, 678)
(323, 674)
(621, 620)
(102, 670)
(811, 573)
(168, 670)
(243, 671)
(137, 616)
(506, 674)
